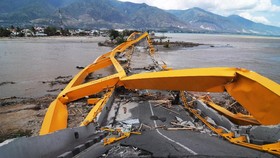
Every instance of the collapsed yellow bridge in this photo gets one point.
(257, 94)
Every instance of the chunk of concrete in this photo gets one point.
(214, 115)
(267, 134)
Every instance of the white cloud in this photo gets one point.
(256, 10)
(224, 5)
(258, 19)
(266, 5)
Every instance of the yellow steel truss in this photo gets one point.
(273, 148)
(259, 95)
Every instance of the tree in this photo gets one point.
(65, 32)
(113, 34)
(50, 31)
(18, 29)
(128, 32)
(19, 33)
(33, 30)
(4, 32)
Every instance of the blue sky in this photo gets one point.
(262, 11)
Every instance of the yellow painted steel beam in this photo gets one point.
(273, 148)
(201, 79)
(93, 100)
(121, 48)
(93, 113)
(97, 108)
(75, 89)
(118, 67)
(88, 88)
(132, 36)
(55, 118)
(258, 95)
(99, 65)
(80, 77)
(238, 119)
(101, 57)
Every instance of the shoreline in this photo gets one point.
(24, 116)
(59, 38)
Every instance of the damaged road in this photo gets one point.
(156, 141)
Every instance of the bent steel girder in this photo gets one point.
(57, 114)
(55, 118)
(260, 96)
(239, 119)
(257, 94)
(201, 79)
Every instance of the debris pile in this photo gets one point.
(7, 82)
(168, 44)
(222, 99)
(126, 151)
(60, 80)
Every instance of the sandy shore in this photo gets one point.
(61, 38)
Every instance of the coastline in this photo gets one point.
(31, 112)
(58, 38)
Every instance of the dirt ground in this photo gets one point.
(22, 116)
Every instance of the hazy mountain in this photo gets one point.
(86, 14)
(248, 26)
(206, 21)
(116, 14)
(203, 20)
(112, 13)
(21, 12)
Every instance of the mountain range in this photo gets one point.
(98, 14)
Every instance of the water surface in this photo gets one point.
(257, 53)
(29, 61)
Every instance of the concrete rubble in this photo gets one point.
(126, 151)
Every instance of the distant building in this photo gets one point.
(27, 32)
(39, 29)
(94, 33)
(40, 34)
(119, 30)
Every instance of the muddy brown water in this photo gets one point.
(30, 61)
(257, 53)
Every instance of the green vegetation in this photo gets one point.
(33, 30)
(50, 31)
(4, 32)
(120, 37)
(53, 31)
(65, 32)
(113, 34)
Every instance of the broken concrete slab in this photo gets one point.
(178, 119)
(261, 134)
(219, 119)
(131, 121)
